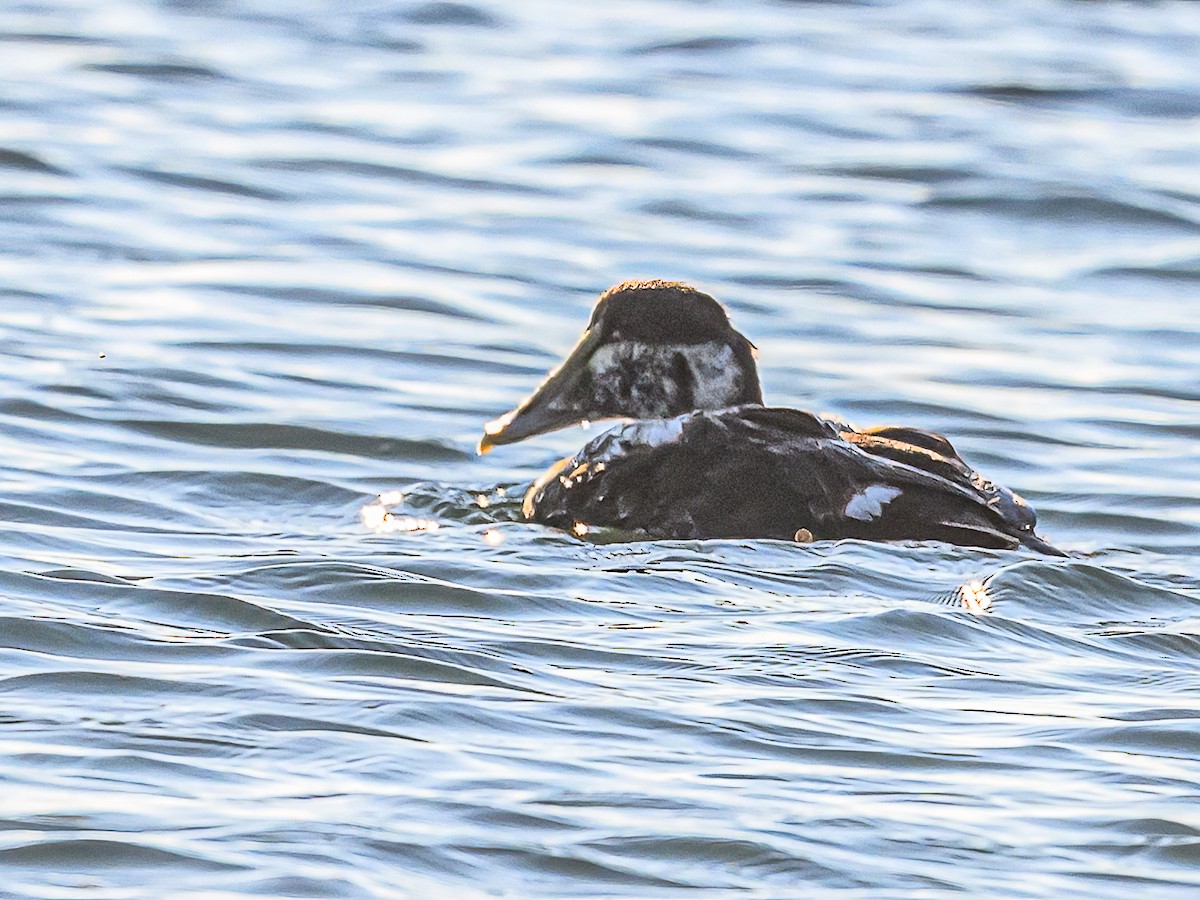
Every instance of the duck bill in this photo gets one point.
(562, 399)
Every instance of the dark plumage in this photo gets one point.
(706, 459)
(659, 312)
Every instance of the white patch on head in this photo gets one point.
(717, 372)
(717, 376)
(608, 357)
(868, 503)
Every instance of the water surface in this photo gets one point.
(260, 266)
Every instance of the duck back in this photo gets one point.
(766, 472)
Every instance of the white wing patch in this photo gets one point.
(868, 503)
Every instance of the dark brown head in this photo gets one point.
(653, 349)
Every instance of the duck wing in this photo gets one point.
(932, 452)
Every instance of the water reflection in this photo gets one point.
(377, 516)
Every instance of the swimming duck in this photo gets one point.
(704, 458)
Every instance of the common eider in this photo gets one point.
(704, 458)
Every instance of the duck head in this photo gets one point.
(652, 350)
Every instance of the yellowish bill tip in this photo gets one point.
(491, 430)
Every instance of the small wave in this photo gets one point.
(269, 435)
(173, 72)
(409, 174)
(66, 855)
(1185, 273)
(1083, 593)
(203, 183)
(1065, 208)
(460, 14)
(16, 159)
(1146, 102)
(683, 209)
(916, 174)
(715, 43)
(319, 297)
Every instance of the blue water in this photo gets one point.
(263, 264)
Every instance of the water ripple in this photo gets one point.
(269, 626)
